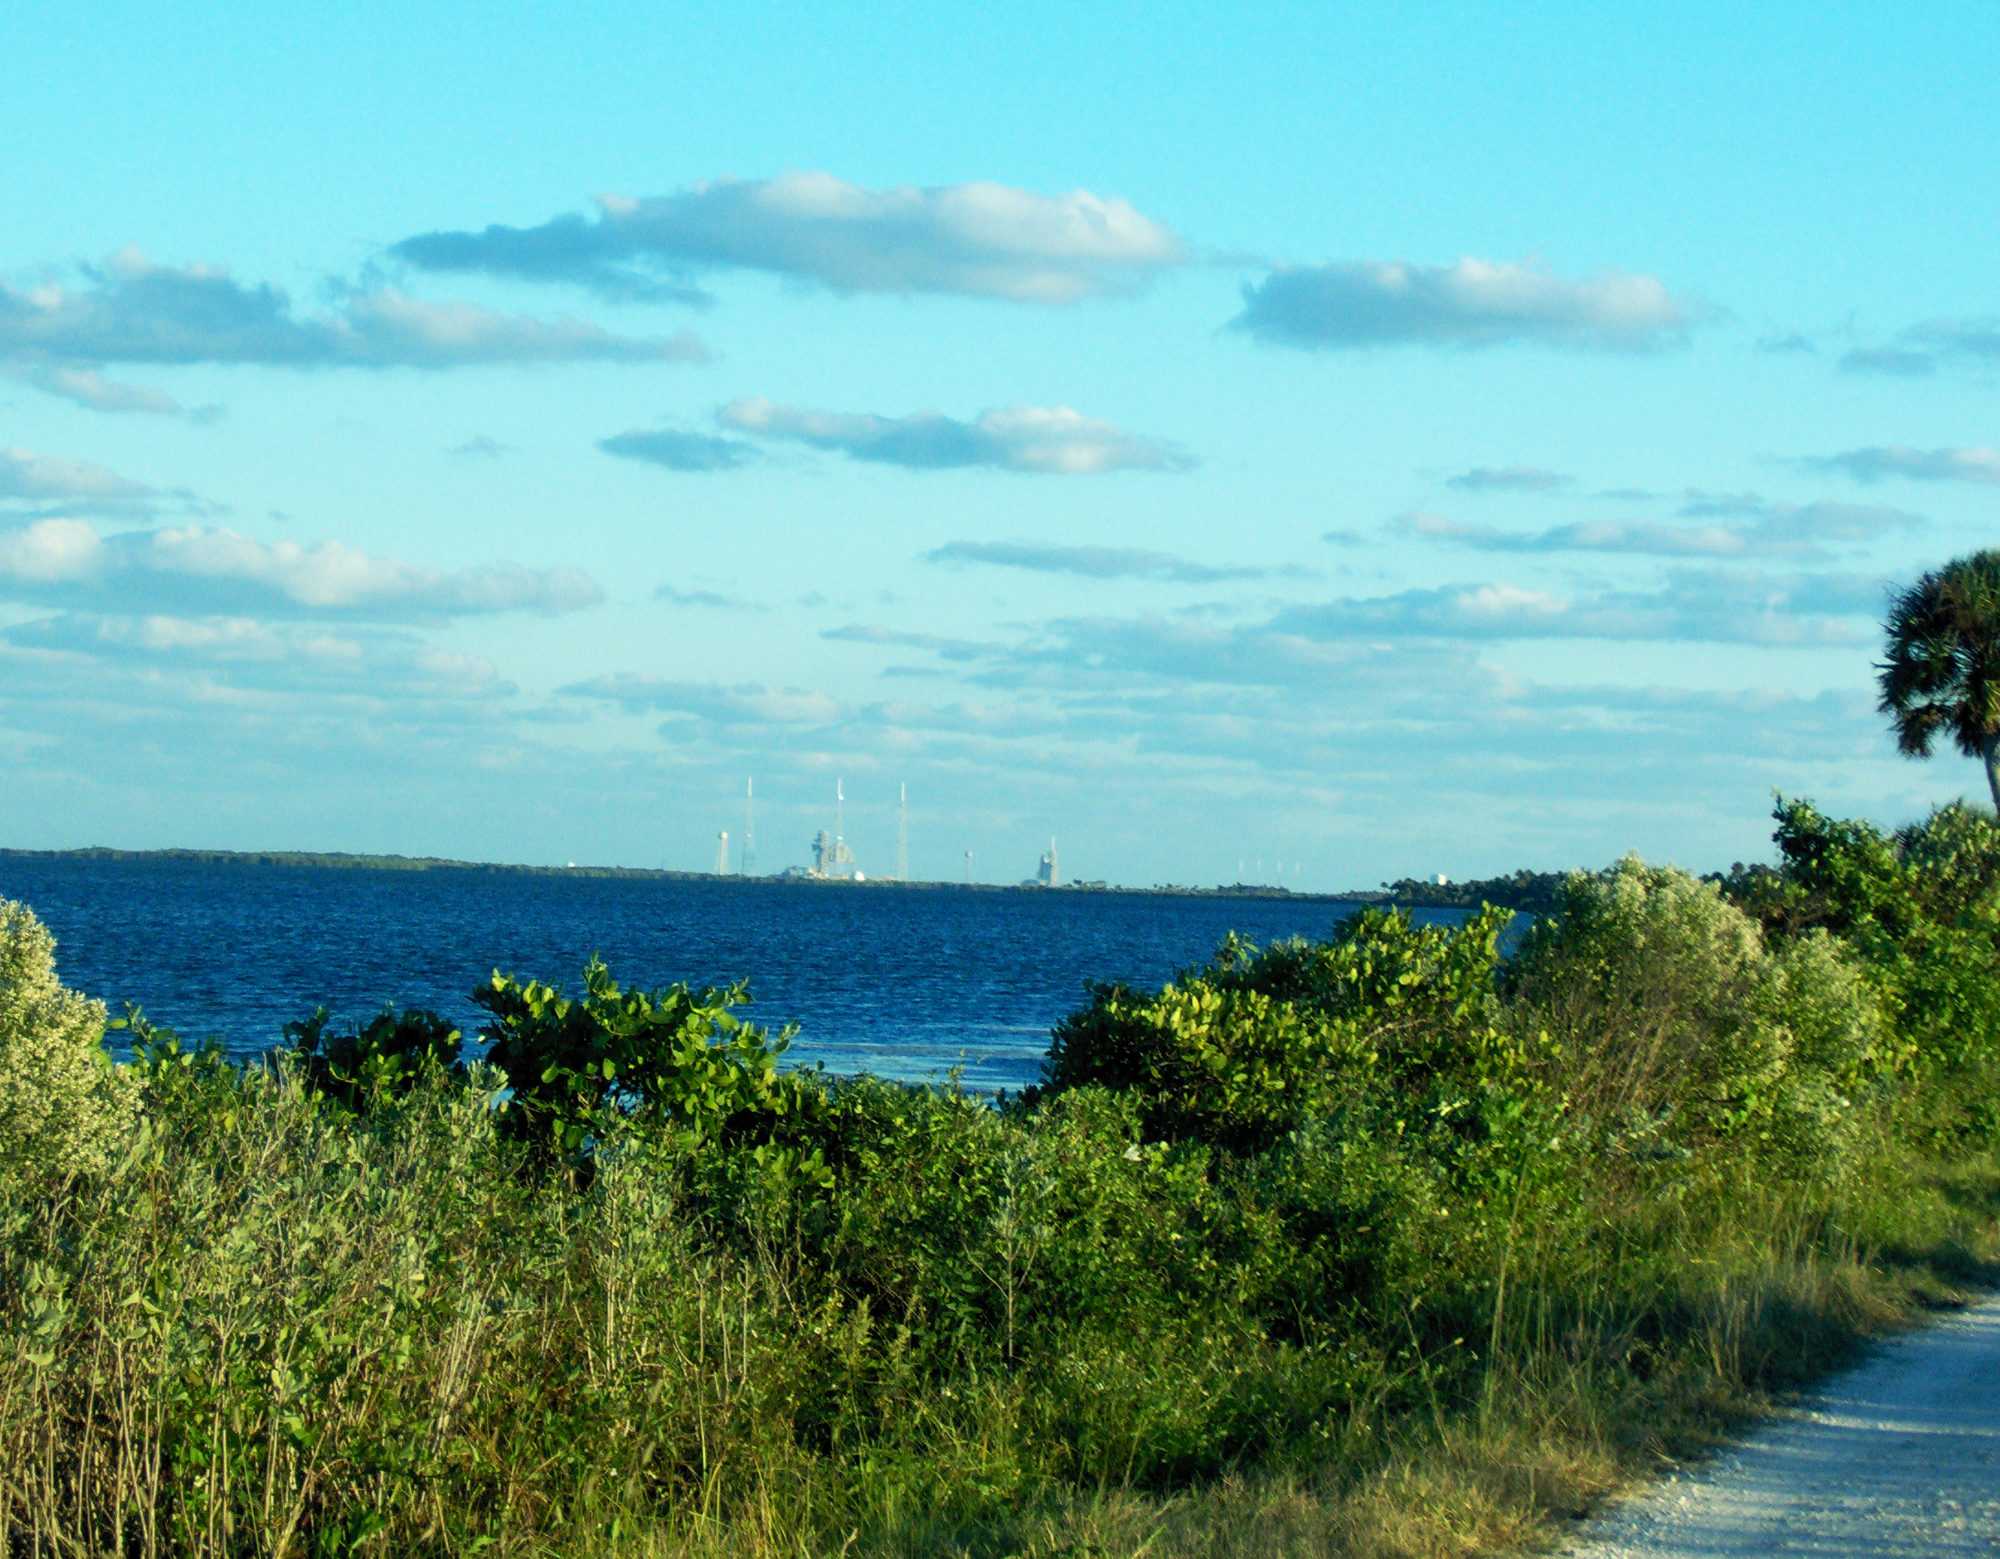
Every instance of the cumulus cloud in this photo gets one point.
(747, 703)
(1509, 479)
(680, 451)
(1470, 303)
(1778, 530)
(132, 311)
(1977, 463)
(1090, 562)
(1049, 440)
(982, 240)
(195, 571)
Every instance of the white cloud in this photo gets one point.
(1978, 463)
(133, 311)
(980, 239)
(1470, 303)
(1777, 530)
(49, 552)
(25, 475)
(193, 570)
(245, 653)
(1694, 606)
(1049, 440)
(88, 388)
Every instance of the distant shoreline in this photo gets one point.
(345, 861)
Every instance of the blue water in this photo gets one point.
(906, 983)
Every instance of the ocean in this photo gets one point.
(907, 983)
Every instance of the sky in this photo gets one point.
(1315, 445)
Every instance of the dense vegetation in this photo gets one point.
(1533, 893)
(1405, 1242)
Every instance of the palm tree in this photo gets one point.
(1941, 675)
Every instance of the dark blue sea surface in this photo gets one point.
(903, 982)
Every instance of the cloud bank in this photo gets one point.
(1470, 303)
(195, 571)
(1048, 440)
(38, 478)
(1776, 531)
(1697, 605)
(131, 311)
(978, 240)
(1979, 463)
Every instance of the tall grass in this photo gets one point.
(1455, 1276)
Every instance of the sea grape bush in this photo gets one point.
(626, 1283)
(676, 1058)
(1249, 1048)
(381, 1059)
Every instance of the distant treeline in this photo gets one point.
(333, 859)
(1533, 892)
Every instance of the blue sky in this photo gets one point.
(1446, 438)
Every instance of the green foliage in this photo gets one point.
(382, 1059)
(1299, 1211)
(1940, 673)
(1674, 1019)
(63, 1111)
(1530, 892)
(1921, 910)
(673, 1057)
(1243, 1051)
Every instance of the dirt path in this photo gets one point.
(1901, 1457)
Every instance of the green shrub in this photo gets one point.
(63, 1109)
(1249, 1048)
(1921, 910)
(671, 1058)
(1669, 1012)
(381, 1059)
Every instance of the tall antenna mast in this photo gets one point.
(968, 868)
(903, 833)
(749, 826)
(839, 813)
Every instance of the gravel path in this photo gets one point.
(1901, 1457)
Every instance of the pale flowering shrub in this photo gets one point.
(63, 1107)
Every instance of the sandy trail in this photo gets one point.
(1901, 1457)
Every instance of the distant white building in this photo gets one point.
(832, 858)
(1047, 876)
